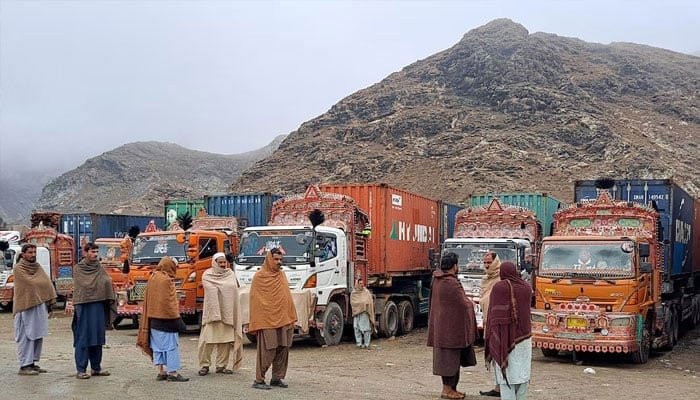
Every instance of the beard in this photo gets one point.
(30, 259)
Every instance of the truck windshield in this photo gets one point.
(150, 249)
(605, 259)
(294, 244)
(109, 252)
(471, 255)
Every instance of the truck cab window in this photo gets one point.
(328, 248)
(207, 247)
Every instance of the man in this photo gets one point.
(272, 318)
(362, 304)
(492, 264)
(585, 261)
(33, 296)
(93, 298)
(526, 271)
(507, 344)
(451, 327)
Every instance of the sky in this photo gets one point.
(78, 78)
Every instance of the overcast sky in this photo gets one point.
(78, 78)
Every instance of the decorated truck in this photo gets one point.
(507, 230)
(385, 235)
(192, 248)
(620, 274)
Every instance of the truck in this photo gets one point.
(543, 204)
(386, 235)
(193, 249)
(620, 273)
(508, 230)
(9, 254)
(88, 227)
(251, 209)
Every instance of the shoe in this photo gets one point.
(82, 375)
(27, 371)
(261, 385)
(162, 377)
(101, 372)
(222, 370)
(39, 369)
(203, 371)
(278, 383)
(177, 378)
(492, 393)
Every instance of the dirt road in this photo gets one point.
(391, 369)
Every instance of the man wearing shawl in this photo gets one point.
(451, 326)
(272, 318)
(362, 305)
(221, 326)
(93, 299)
(507, 343)
(492, 264)
(158, 331)
(33, 296)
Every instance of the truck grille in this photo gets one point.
(138, 292)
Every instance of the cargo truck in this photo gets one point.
(192, 249)
(249, 209)
(620, 273)
(383, 234)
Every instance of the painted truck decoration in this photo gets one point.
(605, 283)
(383, 234)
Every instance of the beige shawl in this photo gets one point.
(361, 301)
(487, 282)
(32, 286)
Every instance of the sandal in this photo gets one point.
(222, 370)
(82, 375)
(204, 371)
(162, 377)
(452, 395)
(177, 378)
(492, 393)
(100, 373)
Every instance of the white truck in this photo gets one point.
(9, 259)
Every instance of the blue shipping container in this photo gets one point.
(86, 227)
(542, 204)
(249, 209)
(677, 211)
(447, 220)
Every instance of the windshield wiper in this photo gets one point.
(582, 275)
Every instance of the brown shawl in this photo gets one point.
(91, 282)
(487, 282)
(32, 286)
(509, 316)
(160, 301)
(221, 303)
(361, 301)
(271, 304)
(451, 322)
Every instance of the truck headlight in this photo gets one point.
(604, 332)
(537, 318)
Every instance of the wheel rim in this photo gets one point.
(333, 325)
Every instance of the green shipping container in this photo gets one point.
(542, 204)
(175, 207)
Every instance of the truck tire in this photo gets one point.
(406, 317)
(641, 356)
(333, 324)
(389, 320)
(251, 338)
(7, 307)
(672, 330)
(550, 352)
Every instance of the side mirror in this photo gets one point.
(644, 250)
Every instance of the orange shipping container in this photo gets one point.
(405, 227)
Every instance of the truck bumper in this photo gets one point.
(6, 295)
(593, 345)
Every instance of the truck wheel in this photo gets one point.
(135, 322)
(389, 320)
(251, 338)
(550, 352)
(405, 317)
(672, 330)
(7, 307)
(641, 356)
(333, 324)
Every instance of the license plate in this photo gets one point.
(576, 323)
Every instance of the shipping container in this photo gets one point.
(177, 207)
(448, 218)
(405, 227)
(249, 209)
(86, 227)
(696, 240)
(678, 215)
(542, 204)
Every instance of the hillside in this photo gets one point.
(504, 110)
(137, 177)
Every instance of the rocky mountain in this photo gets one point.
(504, 110)
(19, 190)
(137, 177)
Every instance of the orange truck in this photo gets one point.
(604, 284)
(114, 252)
(193, 250)
(61, 249)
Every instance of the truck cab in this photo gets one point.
(7, 261)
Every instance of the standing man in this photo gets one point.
(362, 304)
(451, 327)
(33, 297)
(508, 343)
(492, 264)
(221, 321)
(93, 299)
(272, 318)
